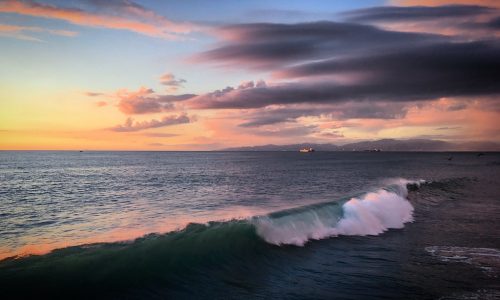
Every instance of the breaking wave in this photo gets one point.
(369, 214)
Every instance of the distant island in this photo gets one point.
(380, 145)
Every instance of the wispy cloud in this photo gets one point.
(491, 3)
(468, 21)
(93, 94)
(449, 128)
(289, 131)
(160, 134)
(335, 134)
(25, 32)
(125, 15)
(417, 13)
(131, 125)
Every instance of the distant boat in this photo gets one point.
(306, 150)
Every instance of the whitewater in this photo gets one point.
(370, 214)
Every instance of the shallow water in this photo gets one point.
(289, 225)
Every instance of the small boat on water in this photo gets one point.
(306, 150)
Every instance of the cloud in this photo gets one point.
(160, 134)
(468, 21)
(131, 125)
(284, 15)
(293, 131)
(101, 103)
(145, 100)
(332, 134)
(271, 45)
(456, 106)
(416, 13)
(494, 23)
(93, 94)
(24, 32)
(491, 3)
(449, 128)
(263, 117)
(125, 15)
(172, 83)
(409, 67)
(343, 111)
(383, 79)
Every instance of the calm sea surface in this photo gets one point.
(226, 225)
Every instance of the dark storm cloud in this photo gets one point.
(422, 73)
(266, 45)
(455, 68)
(402, 74)
(416, 13)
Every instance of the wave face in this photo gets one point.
(370, 214)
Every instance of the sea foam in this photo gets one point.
(370, 214)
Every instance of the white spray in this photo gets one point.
(371, 214)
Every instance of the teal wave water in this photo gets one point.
(367, 241)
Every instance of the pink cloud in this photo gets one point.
(126, 16)
(101, 103)
(21, 32)
(139, 102)
(131, 125)
(145, 100)
(491, 3)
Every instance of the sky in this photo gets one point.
(206, 75)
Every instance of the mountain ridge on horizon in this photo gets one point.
(382, 145)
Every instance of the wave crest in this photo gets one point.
(370, 214)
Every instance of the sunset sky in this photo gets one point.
(204, 75)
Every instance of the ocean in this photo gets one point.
(249, 225)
